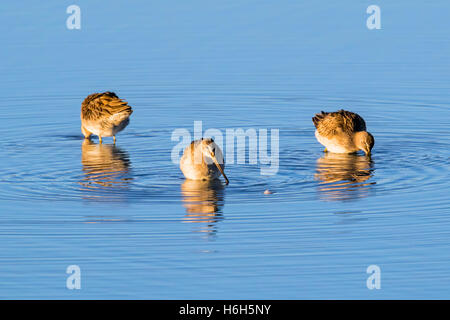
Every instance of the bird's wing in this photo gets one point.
(329, 124)
(99, 106)
(317, 119)
(351, 122)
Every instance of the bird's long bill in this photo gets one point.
(220, 169)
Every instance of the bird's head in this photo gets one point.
(212, 151)
(364, 141)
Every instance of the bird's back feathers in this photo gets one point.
(332, 123)
(100, 106)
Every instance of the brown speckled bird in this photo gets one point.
(104, 114)
(343, 132)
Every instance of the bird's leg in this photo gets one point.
(114, 137)
(99, 139)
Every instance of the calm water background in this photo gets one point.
(127, 217)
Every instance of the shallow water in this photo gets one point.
(137, 229)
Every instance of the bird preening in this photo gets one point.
(343, 132)
(104, 114)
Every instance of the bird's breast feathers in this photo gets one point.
(335, 145)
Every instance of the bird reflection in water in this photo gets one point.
(106, 171)
(344, 176)
(203, 201)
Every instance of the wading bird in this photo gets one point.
(104, 115)
(343, 132)
(203, 160)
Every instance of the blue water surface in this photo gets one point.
(125, 214)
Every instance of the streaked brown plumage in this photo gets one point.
(342, 132)
(104, 114)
